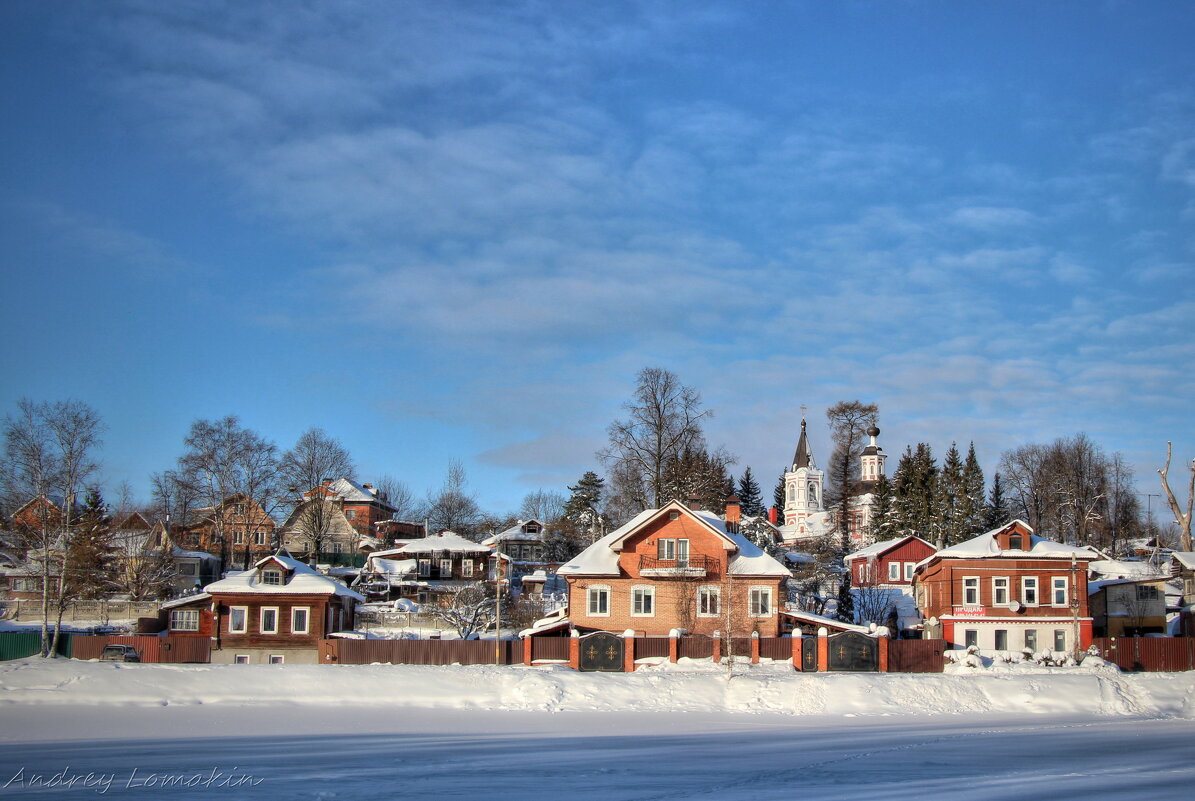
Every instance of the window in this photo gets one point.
(1016, 543)
(1000, 591)
(276, 659)
(269, 620)
(299, 616)
(909, 570)
(666, 549)
(271, 577)
(238, 538)
(238, 509)
(971, 591)
(894, 571)
(445, 568)
(1001, 639)
(674, 515)
(241, 659)
(1060, 595)
(531, 528)
(1147, 592)
(238, 619)
(1031, 639)
(1059, 639)
(184, 620)
(760, 602)
(189, 569)
(971, 637)
(708, 601)
(337, 546)
(259, 538)
(643, 602)
(467, 568)
(351, 514)
(599, 601)
(1029, 591)
(425, 568)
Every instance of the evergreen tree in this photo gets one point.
(581, 509)
(951, 497)
(846, 600)
(750, 498)
(698, 474)
(883, 522)
(996, 512)
(90, 559)
(917, 505)
(973, 504)
(778, 497)
(760, 532)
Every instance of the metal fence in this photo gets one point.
(423, 652)
(164, 650)
(651, 646)
(916, 656)
(22, 644)
(1162, 654)
(779, 648)
(696, 647)
(549, 648)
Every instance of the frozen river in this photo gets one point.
(313, 752)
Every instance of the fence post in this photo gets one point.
(527, 650)
(674, 644)
(755, 647)
(628, 651)
(823, 649)
(716, 657)
(574, 649)
(798, 641)
(883, 643)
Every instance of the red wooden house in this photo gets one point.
(1008, 590)
(675, 567)
(276, 612)
(889, 563)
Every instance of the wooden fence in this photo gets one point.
(1163, 654)
(696, 647)
(421, 652)
(163, 650)
(916, 656)
(549, 648)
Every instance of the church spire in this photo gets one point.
(803, 457)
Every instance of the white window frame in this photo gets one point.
(909, 570)
(277, 659)
(184, 620)
(643, 600)
(1030, 584)
(259, 538)
(425, 568)
(996, 635)
(998, 588)
(704, 595)
(241, 659)
(970, 637)
(467, 568)
(232, 611)
(261, 619)
(272, 573)
(666, 548)
(971, 584)
(1060, 637)
(1031, 639)
(1058, 583)
(594, 593)
(445, 567)
(894, 571)
(306, 627)
(760, 602)
(238, 538)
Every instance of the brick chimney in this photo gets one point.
(773, 515)
(734, 513)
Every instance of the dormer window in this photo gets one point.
(1016, 542)
(271, 576)
(531, 528)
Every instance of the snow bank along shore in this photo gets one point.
(693, 687)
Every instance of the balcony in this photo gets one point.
(685, 567)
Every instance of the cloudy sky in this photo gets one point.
(457, 229)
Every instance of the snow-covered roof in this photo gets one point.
(1185, 558)
(394, 566)
(303, 581)
(1095, 586)
(516, 532)
(985, 546)
(438, 543)
(879, 548)
(820, 620)
(186, 599)
(179, 553)
(1105, 569)
(601, 558)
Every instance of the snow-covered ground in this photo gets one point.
(667, 732)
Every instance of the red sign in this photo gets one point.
(970, 611)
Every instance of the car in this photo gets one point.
(120, 653)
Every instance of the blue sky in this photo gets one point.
(457, 230)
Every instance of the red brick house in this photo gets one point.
(275, 612)
(1008, 590)
(37, 511)
(889, 563)
(675, 567)
(237, 529)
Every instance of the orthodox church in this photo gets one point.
(805, 516)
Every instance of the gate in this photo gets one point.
(854, 652)
(809, 654)
(602, 651)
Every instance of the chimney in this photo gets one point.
(694, 503)
(369, 488)
(327, 482)
(733, 513)
(773, 515)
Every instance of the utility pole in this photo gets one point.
(1074, 589)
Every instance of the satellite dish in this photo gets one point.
(1015, 606)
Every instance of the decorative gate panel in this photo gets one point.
(853, 651)
(809, 654)
(602, 651)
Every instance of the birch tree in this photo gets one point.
(1183, 519)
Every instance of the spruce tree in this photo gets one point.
(581, 509)
(974, 505)
(996, 513)
(846, 600)
(90, 555)
(778, 497)
(951, 497)
(750, 498)
(882, 512)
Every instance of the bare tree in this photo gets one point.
(398, 495)
(664, 419)
(1183, 519)
(453, 507)
(314, 459)
(543, 505)
(469, 610)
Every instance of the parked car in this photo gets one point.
(120, 653)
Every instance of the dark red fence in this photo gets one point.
(1162, 654)
(169, 650)
(916, 656)
(424, 652)
(696, 647)
(549, 648)
(651, 646)
(776, 648)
